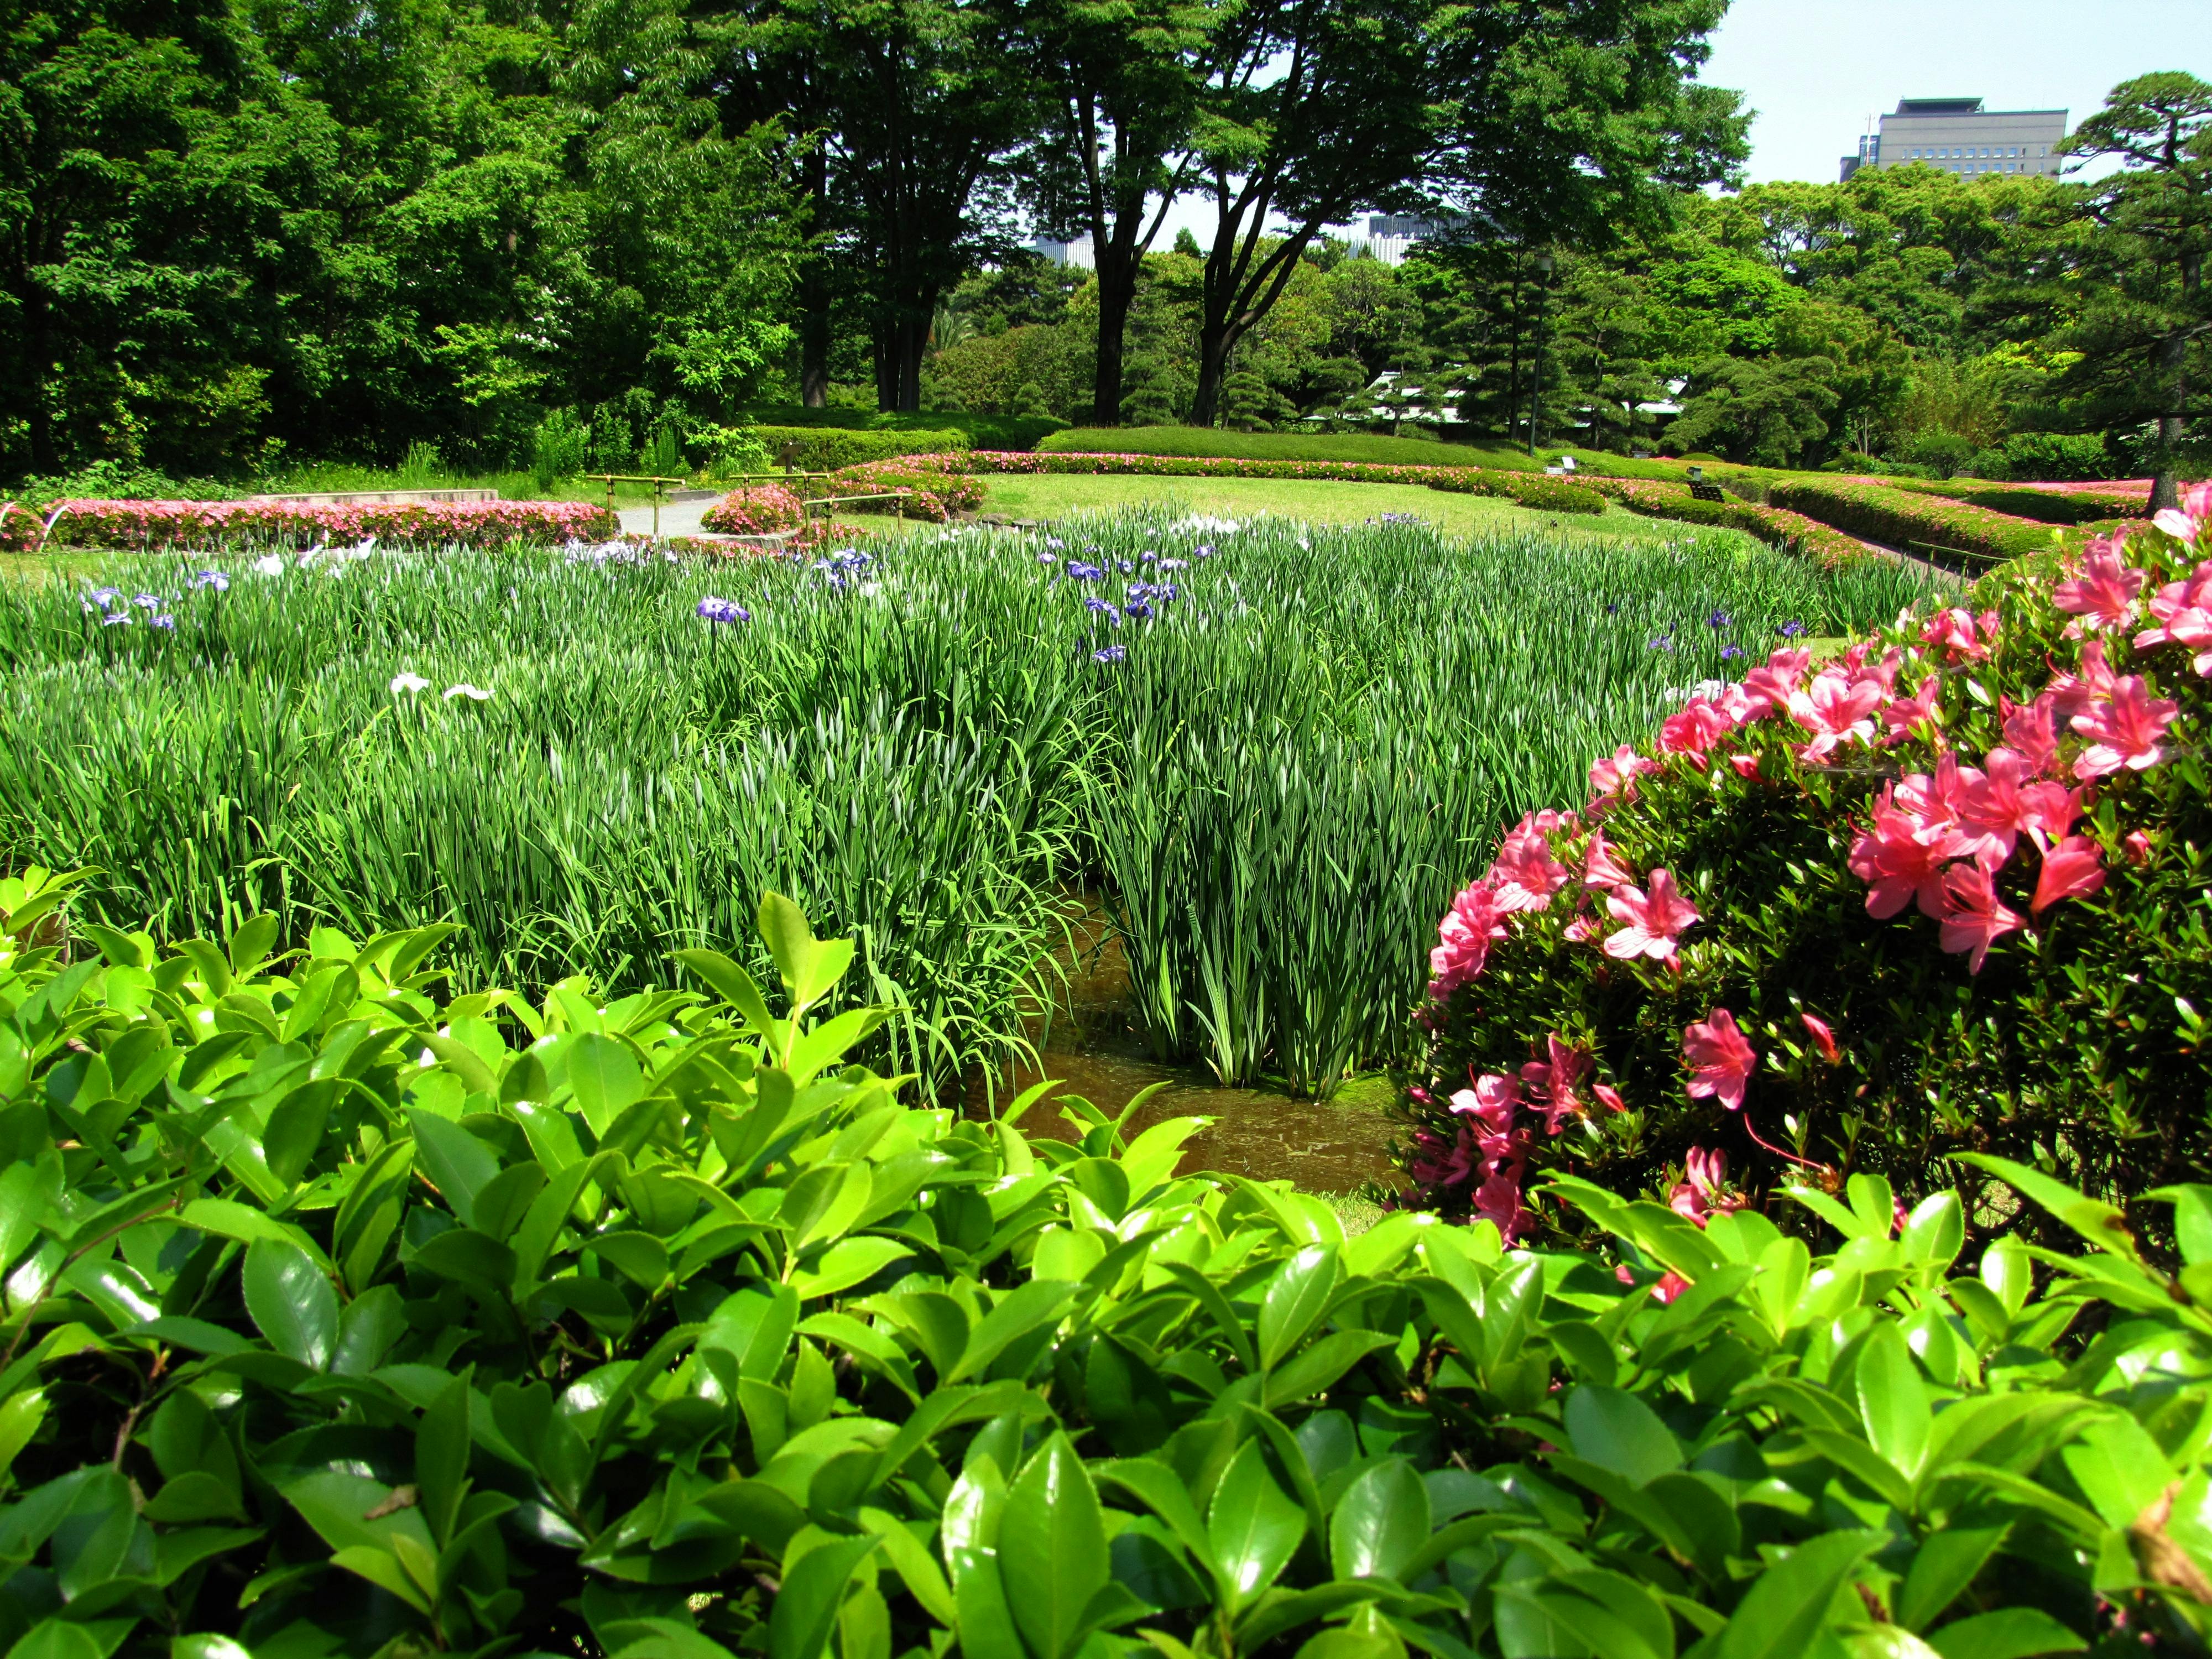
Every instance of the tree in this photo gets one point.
(1120, 80)
(2126, 295)
(1761, 410)
(1312, 108)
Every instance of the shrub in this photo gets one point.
(365, 1323)
(831, 449)
(1535, 490)
(762, 510)
(149, 525)
(1217, 443)
(936, 486)
(557, 448)
(2060, 456)
(1905, 517)
(1782, 893)
(1941, 452)
(984, 431)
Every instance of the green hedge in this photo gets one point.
(1883, 513)
(827, 448)
(344, 1321)
(984, 431)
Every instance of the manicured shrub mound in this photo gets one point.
(89, 523)
(935, 488)
(1951, 893)
(342, 1320)
(1831, 548)
(983, 431)
(760, 510)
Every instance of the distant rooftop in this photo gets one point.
(1939, 106)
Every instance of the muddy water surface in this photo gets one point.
(1091, 1049)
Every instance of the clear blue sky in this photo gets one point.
(1815, 69)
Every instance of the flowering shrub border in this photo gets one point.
(828, 448)
(2028, 780)
(86, 522)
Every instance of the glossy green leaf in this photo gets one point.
(1052, 1550)
(1379, 1523)
(292, 1302)
(1617, 1431)
(1252, 1527)
(806, 1606)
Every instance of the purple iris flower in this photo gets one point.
(1110, 653)
(214, 578)
(1790, 630)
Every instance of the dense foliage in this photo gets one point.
(1741, 964)
(1277, 751)
(342, 1320)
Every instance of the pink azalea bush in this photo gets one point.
(1949, 891)
(762, 510)
(936, 487)
(156, 524)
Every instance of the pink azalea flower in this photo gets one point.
(1692, 732)
(1440, 1162)
(2127, 728)
(1554, 1085)
(1600, 868)
(1883, 673)
(1991, 810)
(2071, 693)
(1746, 766)
(1896, 863)
(1719, 1058)
(1492, 1100)
(1768, 689)
(1610, 1097)
(2184, 610)
(1935, 802)
(1615, 779)
(2137, 847)
(2071, 869)
(1526, 875)
(1824, 1039)
(1653, 920)
(2188, 521)
(1464, 939)
(1835, 709)
(1670, 1285)
(1961, 635)
(1701, 1196)
(2028, 732)
(1924, 706)
(1974, 918)
(1499, 1201)
(2047, 811)
(2104, 595)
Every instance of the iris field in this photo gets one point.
(1276, 751)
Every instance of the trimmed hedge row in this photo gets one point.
(2043, 505)
(983, 431)
(1775, 526)
(829, 448)
(1883, 513)
(1543, 494)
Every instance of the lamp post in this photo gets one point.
(1536, 378)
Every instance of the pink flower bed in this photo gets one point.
(762, 510)
(1733, 956)
(88, 522)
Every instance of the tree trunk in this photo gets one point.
(2173, 359)
(814, 296)
(1117, 292)
(883, 338)
(1213, 347)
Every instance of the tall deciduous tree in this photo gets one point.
(1120, 82)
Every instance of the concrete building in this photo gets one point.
(1082, 252)
(1958, 136)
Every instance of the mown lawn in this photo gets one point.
(1316, 501)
